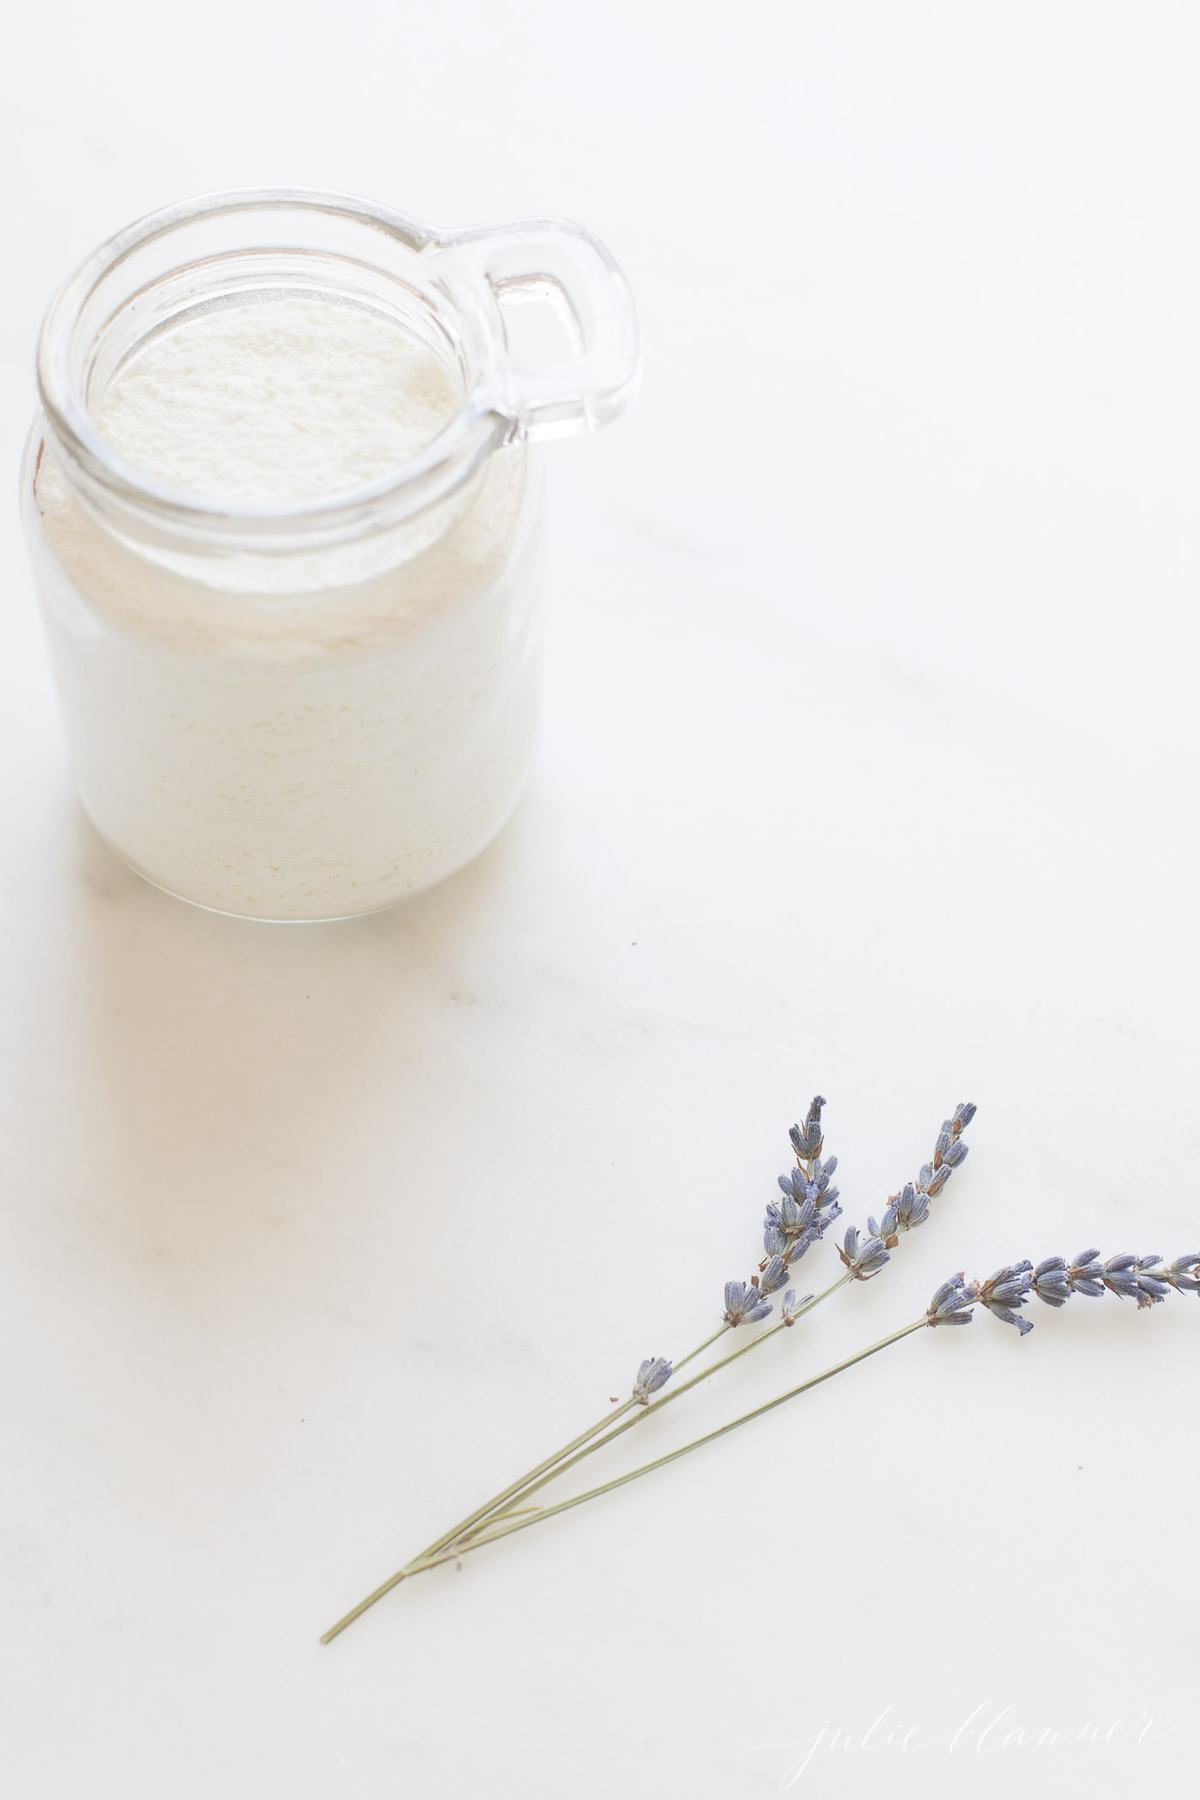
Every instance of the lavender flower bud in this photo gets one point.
(1006, 1290)
(1051, 1281)
(1086, 1273)
(774, 1275)
(865, 1258)
(949, 1151)
(952, 1303)
(1184, 1274)
(807, 1138)
(885, 1228)
(652, 1374)
(1120, 1276)
(912, 1206)
(790, 1218)
(790, 1307)
(1151, 1281)
(793, 1185)
(804, 1214)
(801, 1245)
(743, 1300)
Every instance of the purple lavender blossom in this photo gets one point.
(1086, 1274)
(652, 1374)
(910, 1207)
(949, 1151)
(1146, 1279)
(807, 1138)
(952, 1303)
(1005, 1291)
(744, 1300)
(1130, 1277)
(863, 1258)
(807, 1210)
(774, 1275)
(1184, 1274)
(1052, 1281)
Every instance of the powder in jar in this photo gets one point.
(325, 743)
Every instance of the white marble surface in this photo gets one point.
(869, 765)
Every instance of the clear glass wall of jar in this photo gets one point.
(309, 710)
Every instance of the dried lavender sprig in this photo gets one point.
(905, 1212)
(952, 1304)
(1145, 1279)
(808, 1208)
(866, 1253)
(820, 1198)
(794, 1224)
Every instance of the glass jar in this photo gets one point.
(312, 708)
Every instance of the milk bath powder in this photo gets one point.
(286, 530)
(323, 752)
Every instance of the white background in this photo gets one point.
(869, 765)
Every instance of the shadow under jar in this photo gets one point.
(286, 531)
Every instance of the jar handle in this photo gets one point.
(559, 264)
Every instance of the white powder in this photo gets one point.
(288, 399)
(332, 745)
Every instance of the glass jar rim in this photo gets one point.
(433, 474)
